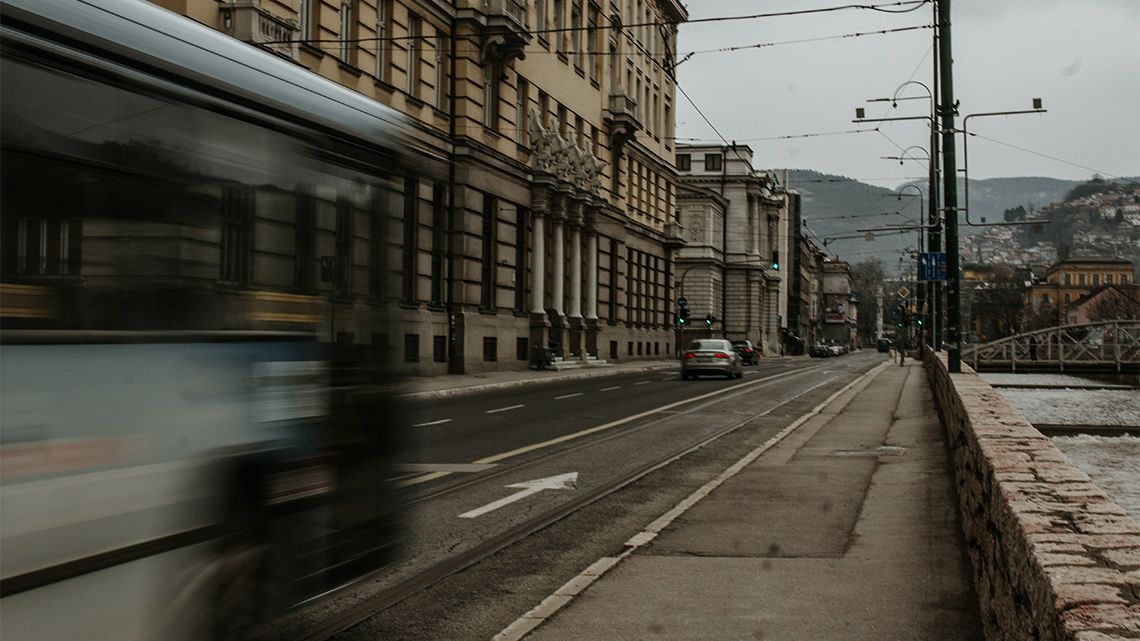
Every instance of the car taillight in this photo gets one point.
(690, 355)
(721, 355)
(747, 351)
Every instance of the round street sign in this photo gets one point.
(904, 292)
(682, 302)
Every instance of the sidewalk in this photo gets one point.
(845, 529)
(454, 384)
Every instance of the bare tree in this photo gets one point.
(999, 303)
(867, 276)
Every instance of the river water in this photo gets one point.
(1113, 462)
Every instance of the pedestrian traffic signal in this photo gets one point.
(683, 315)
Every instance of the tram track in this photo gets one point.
(439, 571)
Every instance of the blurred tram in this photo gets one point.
(188, 447)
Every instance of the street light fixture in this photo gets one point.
(1037, 109)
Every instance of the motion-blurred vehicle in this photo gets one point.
(181, 459)
(884, 345)
(820, 350)
(747, 351)
(711, 356)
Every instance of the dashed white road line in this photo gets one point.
(643, 382)
(430, 423)
(559, 398)
(610, 389)
(505, 409)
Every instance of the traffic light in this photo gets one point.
(776, 259)
(919, 321)
(709, 320)
(683, 315)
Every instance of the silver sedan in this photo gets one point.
(711, 356)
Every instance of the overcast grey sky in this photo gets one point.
(1081, 57)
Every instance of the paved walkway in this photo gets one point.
(846, 529)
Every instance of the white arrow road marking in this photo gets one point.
(430, 423)
(567, 481)
(505, 409)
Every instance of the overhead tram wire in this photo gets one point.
(762, 45)
(882, 7)
(1043, 155)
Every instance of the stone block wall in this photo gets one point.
(1053, 557)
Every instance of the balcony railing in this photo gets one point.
(514, 10)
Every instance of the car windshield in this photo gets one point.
(707, 344)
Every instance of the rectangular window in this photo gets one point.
(237, 236)
(522, 347)
(563, 121)
(576, 36)
(43, 247)
(1068, 298)
(521, 237)
(303, 235)
(490, 348)
(1096, 280)
(411, 234)
(1081, 277)
(522, 104)
(684, 162)
(540, 18)
(411, 348)
(490, 98)
(559, 34)
(1108, 279)
(613, 350)
(613, 282)
(594, 63)
(438, 240)
(348, 34)
(490, 216)
(343, 250)
(713, 162)
(439, 348)
(378, 246)
(310, 19)
(543, 108)
(384, 42)
(414, 53)
(440, 77)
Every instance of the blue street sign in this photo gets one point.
(932, 266)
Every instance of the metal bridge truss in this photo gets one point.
(1105, 346)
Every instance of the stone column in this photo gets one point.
(590, 220)
(574, 219)
(558, 277)
(539, 323)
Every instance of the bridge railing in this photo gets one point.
(1105, 343)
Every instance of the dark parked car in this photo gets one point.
(884, 344)
(748, 352)
(819, 350)
(711, 356)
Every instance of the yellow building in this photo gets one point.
(553, 222)
(1072, 278)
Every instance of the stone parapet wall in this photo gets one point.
(1054, 557)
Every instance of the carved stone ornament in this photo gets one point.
(695, 225)
(569, 163)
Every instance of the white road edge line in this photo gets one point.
(610, 389)
(430, 423)
(572, 588)
(559, 398)
(664, 409)
(505, 409)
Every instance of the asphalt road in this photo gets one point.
(468, 477)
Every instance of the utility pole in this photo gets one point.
(949, 188)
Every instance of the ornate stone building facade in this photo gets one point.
(552, 221)
(732, 217)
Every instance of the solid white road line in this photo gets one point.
(643, 382)
(430, 423)
(505, 409)
(608, 389)
(559, 398)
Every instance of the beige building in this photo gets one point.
(552, 222)
(731, 215)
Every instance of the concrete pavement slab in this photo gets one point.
(713, 573)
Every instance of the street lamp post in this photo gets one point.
(1037, 109)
